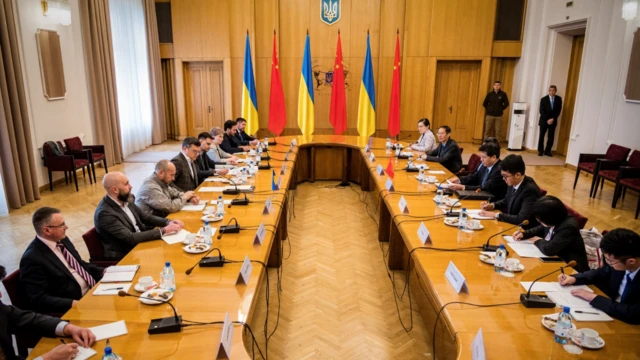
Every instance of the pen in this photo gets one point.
(586, 312)
(118, 288)
(63, 342)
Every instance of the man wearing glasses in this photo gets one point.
(486, 177)
(617, 278)
(53, 274)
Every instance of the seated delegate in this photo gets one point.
(447, 153)
(486, 177)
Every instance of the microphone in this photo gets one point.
(451, 213)
(398, 140)
(161, 325)
(409, 168)
(237, 201)
(493, 248)
(441, 182)
(231, 191)
(537, 301)
(231, 229)
(215, 261)
(274, 136)
(265, 167)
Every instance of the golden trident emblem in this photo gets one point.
(330, 10)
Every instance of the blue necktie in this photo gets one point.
(486, 175)
(551, 103)
(627, 289)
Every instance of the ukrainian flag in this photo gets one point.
(306, 119)
(249, 98)
(367, 99)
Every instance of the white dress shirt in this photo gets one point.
(190, 165)
(127, 211)
(84, 287)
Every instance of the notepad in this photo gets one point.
(526, 250)
(121, 273)
(474, 214)
(111, 289)
(217, 179)
(108, 331)
(510, 239)
(84, 353)
(436, 172)
(552, 286)
(601, 316)
(210, 189)
(175, 238)
(191, 207)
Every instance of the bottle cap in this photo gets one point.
(464, 209)
(107, 350)
(567, 309)
(206, 223)
(501, 246)
(439, 187)
(168, 263)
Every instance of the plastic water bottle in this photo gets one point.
(410, 159)
(260, 151)
(110, 355)
(266, 142)
(462, 220)
(439, 195)
(501, 257)
(207, 232)
(220, 207)
(168, 277)
(388, 144)
(563, 325)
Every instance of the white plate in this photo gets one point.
(550, 325)
(144, 298)
(597, 346)
(201, 248)
(210, 218)
(139, 288)
(454, 222)
(449, 201)
(488, 259)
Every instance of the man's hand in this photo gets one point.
(584, 294)
(456, 187)
(178, 222)
(487, 206)
(74, 303)
(172, 228)
(550, 121)
(245, 148)
(82, 336)
(222, 171)
(62, 352)
(517, 236)
(195, 200)
(565, 280)
(188, 195)
(233, 159)
(487, 214)
(255, 142)
(455, 181)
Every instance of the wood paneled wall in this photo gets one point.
(430, 30)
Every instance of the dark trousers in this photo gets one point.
(552, 133)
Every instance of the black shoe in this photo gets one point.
(549, 154)
(539, 153)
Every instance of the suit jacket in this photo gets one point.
(184, 181)
(158, 198)
(242, 138)
(519, 206)
(608, 280)
(494, 184)
(449, 157)
(117, 233)
(546, 112)
(216, 154)
(230, 144)
(16, 321)
(566, 242)
(48, 284)
(206, 167)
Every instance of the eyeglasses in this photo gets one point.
(56, 226)
(617, 261)
(505, 177)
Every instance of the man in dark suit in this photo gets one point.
(121, 225)
(53, 275)
(14, 320)
(447, 153)
(186, 169)
(206, 167)
(242, 137)
(522, 193)
(550, 108)
(618, 278)
(487, 177)
(229, 143)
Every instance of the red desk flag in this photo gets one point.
(390, 168)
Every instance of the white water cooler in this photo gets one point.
(518, 121)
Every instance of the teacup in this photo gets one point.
(589, 337)
(473, 224)
(209, 210)
(512, 264)
(145, 282)
(189, 239)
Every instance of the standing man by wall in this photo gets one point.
(550, 108)
(494, 103)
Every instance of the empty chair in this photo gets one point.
(630, 171)
(56, 160)
(96, 151)
(96, 250)
(629, 178)
(471, 167)
(581, 220)
(588, 162)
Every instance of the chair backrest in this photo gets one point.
(543, 192)
(461, 150)
(581, 220)
(91, 239)
(73, 144)
(474, 162)
(12, 285)
(634, 159)
(617, 152)
(51, 149)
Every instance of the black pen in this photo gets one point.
(118, 288)
(586, 312)
(63, 342)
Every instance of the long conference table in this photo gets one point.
(511, 331)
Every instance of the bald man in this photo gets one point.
(158, 197)
(121, 225)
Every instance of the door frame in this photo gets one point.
(185, 69)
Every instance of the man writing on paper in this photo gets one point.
(487, 177)
(158, 197)
(121, 225)
(447, 153)
(14, 320)
(618, 278)
(53, 275)
(206, 166)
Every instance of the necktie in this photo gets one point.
(551, 103)
(627, 289)
(485, 176)
(73, 263)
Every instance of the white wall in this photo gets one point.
(58, 119)
(601, 115)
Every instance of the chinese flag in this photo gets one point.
(338, 115)
(394, 108)
(390, 169)
(277, 111)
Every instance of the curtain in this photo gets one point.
(132, 74)
(159, 130)
(96, 36)
(17, 159)
(169, 99)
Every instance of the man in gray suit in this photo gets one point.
(121, 225)
(158, 197)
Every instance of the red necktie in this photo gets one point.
(75, 265)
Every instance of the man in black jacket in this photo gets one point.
(229, 143)
(550, 108)
(618, 278)
(206, 167)
(14, 320)
(447, 153)
(121, 225)
(186, 178)
(522, 193)
(242, 137)
(53, 274)
(494, 103)
(487, 177)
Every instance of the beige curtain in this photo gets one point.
(96, 35)
(159, 133)
(17, 161)
(168, 77)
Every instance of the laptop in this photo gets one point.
(472, 195)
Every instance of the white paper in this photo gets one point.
(526, 250)
(267, 207)
(474, 214)
(477, 347)
(380, 169)
(191, 207)
(563, 299)
(210, 189)
(510, 239)
(540, 286)
(601, 316)
(216, 179)
(423, 233)
(175, 238)
(372, 157)
(84, 353)
(111, 289)
(108, 331)
(122, 268)
(260, 234)
(455, 277)
(123, 273)
(240, 187)
(436, 172)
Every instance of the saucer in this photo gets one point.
(598, 345)
(139, 288)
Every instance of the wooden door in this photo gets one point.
(456, 99)
(569, 99)
(203, 96)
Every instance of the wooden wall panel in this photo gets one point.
(417, 31)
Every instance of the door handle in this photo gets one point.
(209, 108)
(450, 109)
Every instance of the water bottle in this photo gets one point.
(462, 219)
(410, 159)
(439, 195)
(168, 277)
(220, 207)
(420, 172)
(563, 325)
(388, 143)
(501, 257)
(207, 232)
(266, 142)
(260, 151)
(110, 355)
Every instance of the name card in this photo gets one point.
(477, 347)
(402, 204)
(260, 234)
(245, 271)
(456, 279)
(284, 169)
(286, 156)
(294, 143)
(380, 170)
(423, 234)
(367, 148)
(280, 183)
(389, 185)
(372, 157)
(267, 207)
(226, 339)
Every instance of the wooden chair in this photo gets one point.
(629, 178)
(24, 341)
(83, 154)
(67, 163)
(543, 192)
(96, 151)
(96, 250)
(581, 220)
(588, 162)
(471, 167)
(609, 170)
(629, 172)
